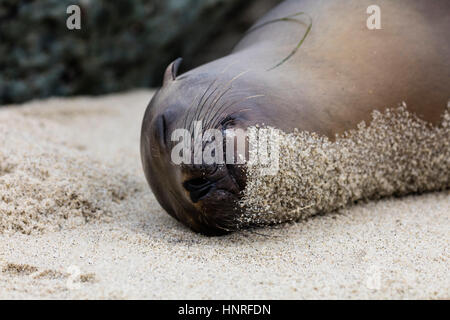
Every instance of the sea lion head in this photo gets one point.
(202, 195)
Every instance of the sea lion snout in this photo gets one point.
(200, 187)
(201, 196)
(188, 114)
(212, 192)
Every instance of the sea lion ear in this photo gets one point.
(171, 71)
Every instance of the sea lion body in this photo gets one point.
(339, 75)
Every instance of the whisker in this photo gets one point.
(200, 108)
(228, 86)
(216, 98)
(228, 66)
(237, 77)
(221, 109)
(267, 236)
(210, 113)
(224, 108)
(199, 102)
(187, 110)
(233, 113)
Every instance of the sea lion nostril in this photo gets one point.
(197, 188)
(195, 183)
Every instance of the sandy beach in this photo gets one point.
(78, 221)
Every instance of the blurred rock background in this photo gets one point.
(122, 44)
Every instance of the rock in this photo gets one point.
(122, 44)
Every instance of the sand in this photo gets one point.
(396, 154)
(77, 220)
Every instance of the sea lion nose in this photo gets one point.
(197, 188)
(214, 178)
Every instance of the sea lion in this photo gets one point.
(341, 72)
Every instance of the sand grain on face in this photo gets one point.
(396, 154)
